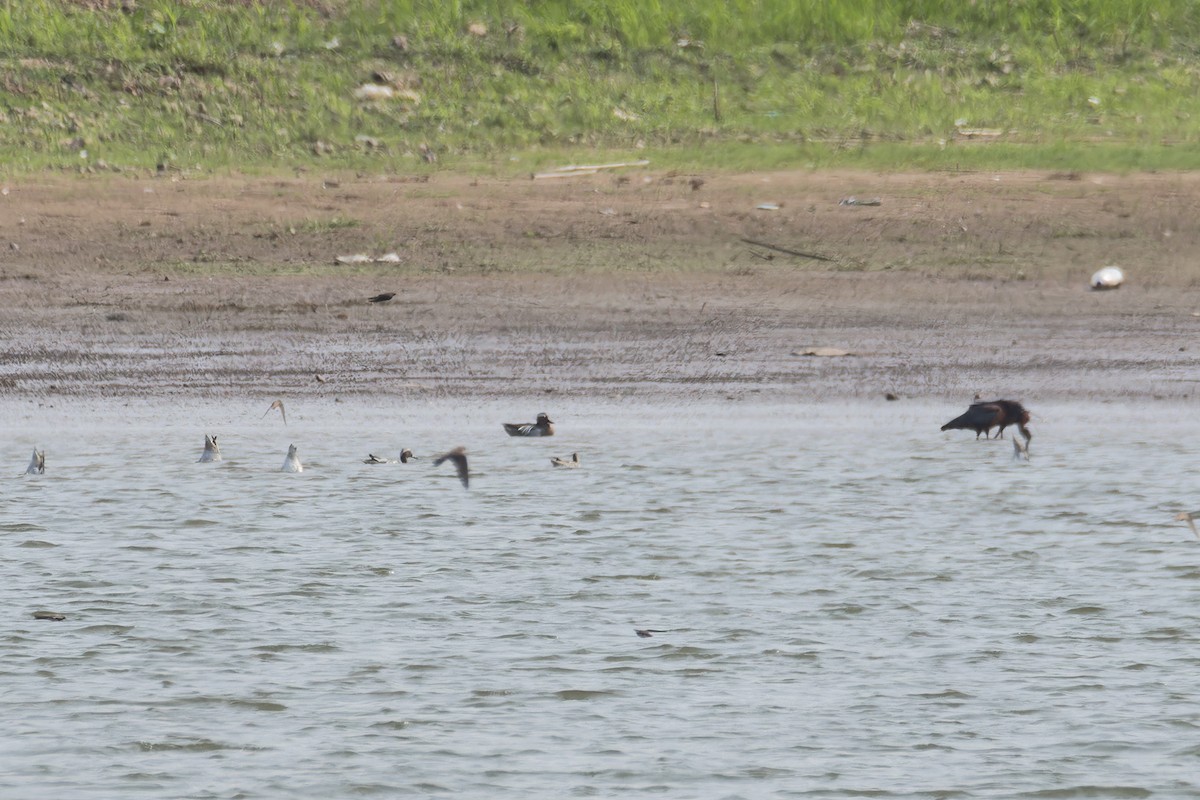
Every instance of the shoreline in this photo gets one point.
(229, 288)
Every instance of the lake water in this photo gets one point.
(852, 604)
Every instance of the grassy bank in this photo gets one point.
(508, 87)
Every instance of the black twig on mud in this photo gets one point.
(779, 249)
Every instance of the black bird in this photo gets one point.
(382, 298)
(646, 633)
(982, 417)
(459, 456)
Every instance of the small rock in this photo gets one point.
(1108, 278)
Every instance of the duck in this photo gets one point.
(211, 451)
(459, 458)
(292, 462)
(37, 464)
(568, 463)
(406, 455)
(543, 427)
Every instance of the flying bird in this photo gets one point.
(1189, 517)
(406, 455)
(568, 463)
(382, 298)
(983, 416)
(37, 464)
(211, 451)
(374, 459)
(278, 404)
(543, 427)
(459, 456)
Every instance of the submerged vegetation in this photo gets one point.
(397, 85)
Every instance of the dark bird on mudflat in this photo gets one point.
(982, 417)
(382, 298)
(459, 456)
(543, 427)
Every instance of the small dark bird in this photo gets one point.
(459, 456)
(406, 455)
(982, 417)
(382, 298)
(543, 427)
(646, 633)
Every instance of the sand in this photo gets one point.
(636, 284)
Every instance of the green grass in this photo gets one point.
(270, 87)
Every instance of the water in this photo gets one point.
(854, 604)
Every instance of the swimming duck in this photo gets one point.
(562, 462)
(211, 451)
(459, 456)
(406, 455)
(543, 427)
(292, 462)
(37, 464)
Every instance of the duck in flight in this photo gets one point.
(570, 463)
(458, 456)
(37, 464)
(278, 404)
(1189, 517)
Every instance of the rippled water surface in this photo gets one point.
(851, 604)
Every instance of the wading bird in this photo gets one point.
(982, 417)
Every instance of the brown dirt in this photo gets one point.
(612, 285)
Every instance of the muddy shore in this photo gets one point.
(614, 285)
